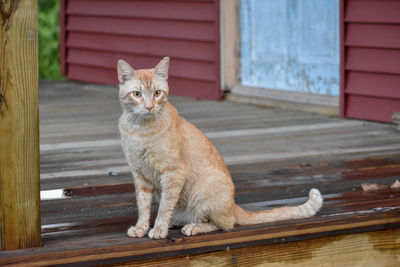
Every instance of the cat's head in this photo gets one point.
(143, 92)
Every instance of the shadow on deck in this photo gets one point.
(275, 157)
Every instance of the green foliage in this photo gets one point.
(49, 41)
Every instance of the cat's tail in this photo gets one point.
(308, 209)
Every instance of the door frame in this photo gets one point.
(231, 73)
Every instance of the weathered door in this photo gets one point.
(291, 45)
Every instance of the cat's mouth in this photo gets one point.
(142, 113)
(148, 113)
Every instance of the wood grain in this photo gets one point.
(230, 38)
(380, 248)
(266, 101)
(19, 125)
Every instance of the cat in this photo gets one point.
(173, 159)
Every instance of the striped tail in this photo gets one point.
(308, 209)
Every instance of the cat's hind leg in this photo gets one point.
(198, 228)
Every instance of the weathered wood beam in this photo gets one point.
(230, 43)
(19, 125)
(380, 248)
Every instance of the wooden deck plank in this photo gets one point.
(111, 246)
(380, 248)
(321, 140)
(104, 160)
(250, 189)
(80, 211)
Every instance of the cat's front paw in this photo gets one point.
(137, 231)
(158, 232)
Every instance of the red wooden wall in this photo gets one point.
(96, 33)
(370, 59)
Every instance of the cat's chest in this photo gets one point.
(145, 155)
(139, 148)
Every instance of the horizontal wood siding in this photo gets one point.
(98, 33)
(370, 32)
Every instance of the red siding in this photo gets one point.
(370, 59)
(97, 33)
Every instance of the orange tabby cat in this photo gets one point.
(172, 157)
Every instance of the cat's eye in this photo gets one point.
(136, 93)
(157, 93)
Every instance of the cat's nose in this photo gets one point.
(149, 107)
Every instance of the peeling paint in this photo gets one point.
(291, 45)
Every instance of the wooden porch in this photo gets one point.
(275, 157)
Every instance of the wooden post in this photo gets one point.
(19, 125)
(230, 43)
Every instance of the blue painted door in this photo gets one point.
(291, 45)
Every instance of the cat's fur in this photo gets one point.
(171, 157)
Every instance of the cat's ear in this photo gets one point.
(125, 71)
(162, 68)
